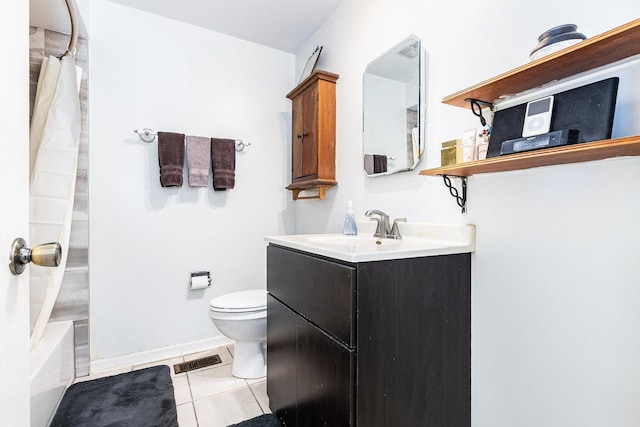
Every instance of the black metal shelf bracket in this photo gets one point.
(489, 105)
(461, 200)
(476, 109)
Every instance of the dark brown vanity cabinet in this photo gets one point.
(374, 344)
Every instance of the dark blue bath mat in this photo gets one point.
(136, 399)
(268, 420)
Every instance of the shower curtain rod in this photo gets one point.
(71, 49)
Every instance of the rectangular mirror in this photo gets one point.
(394, 100)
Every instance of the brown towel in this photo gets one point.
(368, 164)
(379, 163)
(171, 158)
(223, 156)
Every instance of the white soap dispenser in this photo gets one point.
(350, 228)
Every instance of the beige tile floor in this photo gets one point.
(210, 397)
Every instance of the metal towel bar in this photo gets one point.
(147, 135)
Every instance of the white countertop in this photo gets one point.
(418, 240)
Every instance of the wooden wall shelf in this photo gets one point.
(598, 150)
(614, 45)
(606, 48)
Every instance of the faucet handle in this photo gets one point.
(395, 231)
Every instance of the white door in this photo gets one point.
(14, 211)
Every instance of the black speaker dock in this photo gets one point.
(588, 109)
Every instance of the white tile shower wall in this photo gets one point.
(149, 71)
(73, 300)
(555, 296)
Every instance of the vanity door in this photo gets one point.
(281, 360)
(310, 375)
(311, 359)
(325, 379)
(414, 342)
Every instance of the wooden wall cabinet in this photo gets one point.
(313, 149)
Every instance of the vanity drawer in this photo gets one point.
(318, 289)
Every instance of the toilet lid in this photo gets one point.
(252, 300)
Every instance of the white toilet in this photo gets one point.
(242, 316)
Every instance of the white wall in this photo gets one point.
(555, 295)
(149, 71)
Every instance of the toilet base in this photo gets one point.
(249, 359)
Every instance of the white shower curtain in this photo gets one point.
(54, 141)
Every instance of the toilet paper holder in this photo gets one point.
(197, 275)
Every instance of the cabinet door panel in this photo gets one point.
(296, 138)
(321, 290)
(414, 342)
(281, 360)
(310, 135)
(325, 387)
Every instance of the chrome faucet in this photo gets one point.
(383, 229)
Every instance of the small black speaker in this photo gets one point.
(588, 109)
(507, 124)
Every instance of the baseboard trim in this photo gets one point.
(149, 356)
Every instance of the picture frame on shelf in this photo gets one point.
(311, 63)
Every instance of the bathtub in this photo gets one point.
(52, 371)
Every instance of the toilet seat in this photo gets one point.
(242, 301)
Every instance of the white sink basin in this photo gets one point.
(352, 243)
(419, 239)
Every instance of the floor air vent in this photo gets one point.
(197, 364)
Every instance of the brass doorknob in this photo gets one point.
(46, 255)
